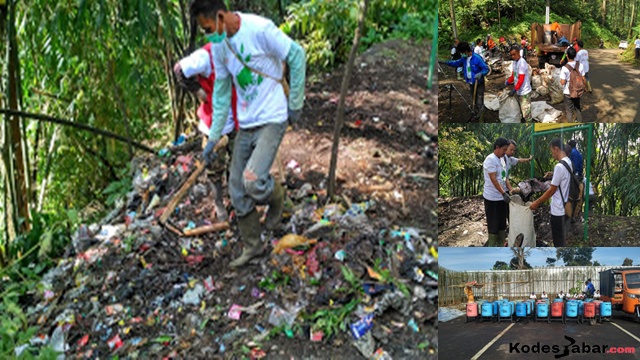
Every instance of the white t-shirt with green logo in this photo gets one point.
(492, 164)
(263, 47)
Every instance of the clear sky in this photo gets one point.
(481, 258)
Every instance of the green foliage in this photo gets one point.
(14, 328)
(575, 256)
(333, 320)
(118, 189)
(627, 262)
(501, 265)
(326, 28)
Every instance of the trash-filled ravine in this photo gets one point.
(151, 280)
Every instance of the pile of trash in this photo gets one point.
(151, 280)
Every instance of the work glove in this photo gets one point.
(478, 76)
(208, 154)
(506, 197)
(512, 92)
(294, 116)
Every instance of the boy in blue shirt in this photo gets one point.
(474, 71)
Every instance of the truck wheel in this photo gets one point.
(541, 62)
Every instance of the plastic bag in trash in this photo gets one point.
(521, 222)
(509, 110)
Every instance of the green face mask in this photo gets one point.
(216, 38)
(464, 56)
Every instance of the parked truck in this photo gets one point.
(622, 288)
(549, 52)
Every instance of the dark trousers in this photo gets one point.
(572, 106)
(637, 53)
(558, 230)
(479, 96)
(496, 212)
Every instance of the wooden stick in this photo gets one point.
(207, 229)
(175, 200)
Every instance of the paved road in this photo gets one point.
(460, 340)
(616, 87)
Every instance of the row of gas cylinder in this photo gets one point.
(540, 310)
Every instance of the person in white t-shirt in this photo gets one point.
(583, 58)
(509, 161)
(559, 185)
(479, 49)
(561, 295)
(544, 295)
(250, 51)
(596, 296)
(571, 105)
(522, 83)
(495, 196)
(455, 55)
(533, 295)
(637, 42)
(195, 73)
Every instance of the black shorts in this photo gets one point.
(558, 230)
(496, 212)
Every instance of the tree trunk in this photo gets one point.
(604, 12)
(343, 94)
(453, 19)
(20, 192)
(633, 17)
(47, 169)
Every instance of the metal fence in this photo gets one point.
(516, 284)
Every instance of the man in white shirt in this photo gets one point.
(455, 55)
(521, 80)
(479, 49)
(250, 51)
(596, 296)
(544, 295)
(509, 161)
(561, 295)
(496, 199)
(571, 105)
(583, 58)
(533, 296)
(591, 194)
(637, 42)
(559, 185)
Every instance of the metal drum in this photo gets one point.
(472, 311)
(589, 310)
(521, 309)
(542, 310)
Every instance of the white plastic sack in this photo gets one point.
(543, 90)
(544, 112)
(521, 222)
(556, 91)
(536, 82)
(491, 102)
(509, 109)
(506, 68)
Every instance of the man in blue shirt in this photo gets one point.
(474, 70)
(576, 159)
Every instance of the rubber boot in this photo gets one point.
(502, 237)
(220, 211)
(589, 87)
(276, 206)
(493, 240)
(459, 75)
(249, 227)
